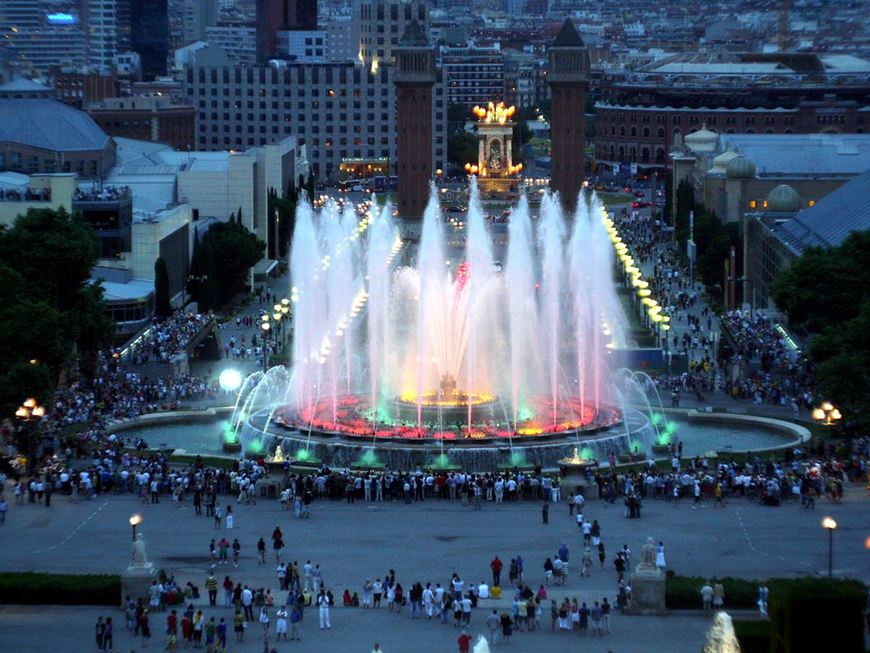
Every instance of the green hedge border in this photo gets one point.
(31, 588)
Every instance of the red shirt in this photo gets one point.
(172, 624)
(464, 643)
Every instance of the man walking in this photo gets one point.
(496, 566)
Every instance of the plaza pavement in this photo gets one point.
(424, 541)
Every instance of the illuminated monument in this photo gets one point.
(496, 173)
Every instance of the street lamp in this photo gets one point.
(265, 326)
(830, 525)
(135, 520)
(30, 412)
(827, 413)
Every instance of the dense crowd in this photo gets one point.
(26, 195)
(170, 337)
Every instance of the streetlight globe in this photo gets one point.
(277, 307)
(829, 523)
(22, 412)
(827, 405)
(30, 403)
(818, 413)
(285, 301)
(836, 414)
(265, 326)
(135, 519)
(39, 411)
(230, 380)
(285, 309)
(265, 318)
(277, 315)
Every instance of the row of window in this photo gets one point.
(754, 204)
(696, 119)
(15, 161)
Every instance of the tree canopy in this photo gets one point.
(49, 309)
(824, 291)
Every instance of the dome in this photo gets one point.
(720, 163)
(49, 125)
(783, 199)
(702, 140)
(740, 168)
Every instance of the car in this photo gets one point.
(639, 194)
(640, 205)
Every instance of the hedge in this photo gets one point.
(754, 636)
(684, 592)
(29, 588)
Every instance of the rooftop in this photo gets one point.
(802, 154)
(50, 125)
(832, 219)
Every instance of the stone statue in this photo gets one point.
(648, 556)
(139, 557)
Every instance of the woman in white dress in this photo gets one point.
(660, 556)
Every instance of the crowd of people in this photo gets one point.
(164, 340)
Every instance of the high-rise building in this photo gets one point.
(275, 16)
(382, 24)
(474, 75)
(101, 26)
(416, 75)
(43, 36)
(568, 76)
(197, 16)
(149, 34)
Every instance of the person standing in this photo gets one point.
(496, 567)
(660, 556)
(100, 633)
(545, 513)
(707, 597)
(295, 619)
(323, 607)
(230, 518)
(493, 623)
(464, 642)
(236, 550)
(261, 551)
(264, 622)
(211, 587)
(281, 623)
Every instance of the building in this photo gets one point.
(19, 193)
(109, 212)
(415, 78)
(643, 109)
(38, 134)
(567, 77)
(304, 45)
(102, 29)
(149, 35)
(78, 87)
(343, 37)
(274, 16)
(733, 174)
(382, 24)
(151, 118)
(197, 16)
(779, 234)
(42, 35)
(338, 111)
(474, 75)
(237, 38)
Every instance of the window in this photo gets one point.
(753, 204)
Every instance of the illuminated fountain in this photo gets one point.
(411, 355)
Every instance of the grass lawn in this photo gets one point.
(612, 199)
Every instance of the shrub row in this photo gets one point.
(684, 592)
(31, 588)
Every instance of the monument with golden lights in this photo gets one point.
(497, 175)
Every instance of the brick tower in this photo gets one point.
(416, 74)
(567, 76)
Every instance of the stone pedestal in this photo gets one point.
(647, 592)
(136, 580)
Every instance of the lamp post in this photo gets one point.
(830, 525)
(827, 414)
(135, 520)
(30, 412)
(265, 326)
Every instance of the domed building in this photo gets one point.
(740, 167)
(720, 163)
(783, 199)
(39, 134)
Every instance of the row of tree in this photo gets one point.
(53, 320)
(825, 292)
(713, 239)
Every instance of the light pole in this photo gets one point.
(30, 412)
(265, 326)
(135, 520)
(830, 525)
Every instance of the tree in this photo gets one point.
(229, 251)
(462, 149)
(51, 313)
(162, 305)
(824, 291)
